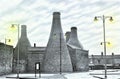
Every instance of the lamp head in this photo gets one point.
(9, 40)
(111, 19)
(12, 26)
(108, 42)
(95, 19)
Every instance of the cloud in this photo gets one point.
(37, 15)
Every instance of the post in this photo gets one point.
(104, 46)
(18, 60)
(104, 38)
(18, 53)
(60, 56)
(113, 59)
(35, 70)
(39, 70)
(4, 56)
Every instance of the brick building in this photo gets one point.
(6, 57)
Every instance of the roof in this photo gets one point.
(36, 49)
(6, 44)
(73, 47)
(107, 56)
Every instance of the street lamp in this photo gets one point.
(18, 58)
(103, 19)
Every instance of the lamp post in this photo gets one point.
(60, 56)
(104, 38)
(18, 57)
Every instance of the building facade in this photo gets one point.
(59, 55)
(35, 54)
(98, 61)
(6, 58)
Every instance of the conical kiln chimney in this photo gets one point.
(57, 58)
(73, 40)
(23, 44)
(21, 47)
(79, 56)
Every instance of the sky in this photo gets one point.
(37, 15)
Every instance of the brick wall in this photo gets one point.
(6, 57)
(34, 57)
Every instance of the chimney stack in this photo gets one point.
(112, 54)
(34, 44)
(57, 57)
(23, 44)
(101, 53)
(73, 40)
(23, 31)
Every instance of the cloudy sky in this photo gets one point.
(37, 15)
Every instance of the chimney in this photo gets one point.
(23, 44)
(56, 50)
(23, 31)
(112, 54)
(73, 40)
(101, 53)
(67, 34)
(34, 44)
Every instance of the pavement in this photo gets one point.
(92, 74)
(58, 76)
(28, 76)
